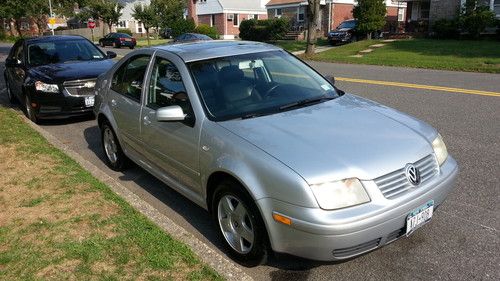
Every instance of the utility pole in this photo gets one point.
(51, 14)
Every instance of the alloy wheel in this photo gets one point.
(110, 146)
(235, 224)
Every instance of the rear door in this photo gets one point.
(125, 98)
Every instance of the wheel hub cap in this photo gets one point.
(235, 224)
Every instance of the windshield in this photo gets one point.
(251, 85)
(348, 24)
(62, 51)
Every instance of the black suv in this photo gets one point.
(346, 32)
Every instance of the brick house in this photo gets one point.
(333, 13)
(226, 15)
(422, 13)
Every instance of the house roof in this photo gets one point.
(283, 2)
(241, 5)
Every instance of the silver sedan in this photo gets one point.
(281, 158)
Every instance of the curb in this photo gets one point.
(225, 267)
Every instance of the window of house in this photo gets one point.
(212, 20)
(236, 20)
(278, 12)
(425, 8)
(139, 27)
(255, 17)
(300, 13)
(401, 14)
(122, 24)
(129, 78)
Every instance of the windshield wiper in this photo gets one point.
(253, 115)
(305, 102)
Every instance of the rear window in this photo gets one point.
(62, 52)
(123, 35)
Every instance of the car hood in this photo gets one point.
(341, 30)
(58, 73)
(342, 138)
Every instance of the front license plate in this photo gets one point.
(419, 217)
(89, 101)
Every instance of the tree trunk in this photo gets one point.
(147, 35)
(110, 25)
(369, 35)
(312, 25)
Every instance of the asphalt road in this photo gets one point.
(462, 241)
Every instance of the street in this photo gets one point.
(462, 242)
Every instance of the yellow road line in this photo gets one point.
(419, 86)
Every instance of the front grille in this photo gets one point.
(356, 250)
(396, 184)
(395, 235)
(80, 88)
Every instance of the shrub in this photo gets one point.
(264, 30)
(207, 30)
(446, 29)
(475, 18)
(182, 26)
(124, 30)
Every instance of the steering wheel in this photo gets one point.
(268, 94)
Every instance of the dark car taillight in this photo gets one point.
(122, 39)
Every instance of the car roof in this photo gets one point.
(202, 50)
(53, 38)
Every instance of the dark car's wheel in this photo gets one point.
(115, 158)
(10, 96)
(29, 110)
(116, 45)
(353, 39)
(101, 43)
(131, 47)
(239, 223)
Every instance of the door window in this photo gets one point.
(166, 87)
(18, 53)
(128, 79)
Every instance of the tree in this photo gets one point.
(39, 11)
(168, 11)
(312, 25)
(111, 13)
(370, 15)
(475, 18)
(146, 15)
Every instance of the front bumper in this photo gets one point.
(341, 234)
(59, 105)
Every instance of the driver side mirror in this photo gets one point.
(110, 55)
(170, 113)
(330, 79)
(12, 62)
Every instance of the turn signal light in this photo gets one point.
(282, 219)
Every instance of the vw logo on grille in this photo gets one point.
(412, 174)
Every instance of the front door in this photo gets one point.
(125, 99)
(172, 145)
(17, 73)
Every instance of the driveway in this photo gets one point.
(461, 243)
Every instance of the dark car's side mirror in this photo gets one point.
(330, 79)
(12, 62)
(110, 55)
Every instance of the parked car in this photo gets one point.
(54, 76)
(346, 32)
(166, 33)
(191, 37)
(118, 40)
(281, 158)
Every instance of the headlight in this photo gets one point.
(340, 194)
(440, 149)
(48, 88)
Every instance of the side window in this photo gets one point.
(17, 52)
(128, 79)
(166, 87)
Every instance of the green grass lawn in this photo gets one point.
(293, 46)
(57, 222)
(459, 55)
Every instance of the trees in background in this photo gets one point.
(370, 15)
(145, 14)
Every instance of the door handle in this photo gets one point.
(113, 103)
(146, 120)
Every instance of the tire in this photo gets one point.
(29, 111)
(239, 224)
(102, 44)
(114, 156)
(10, 96)
(354, 38)
(116, 45)
(131, 48)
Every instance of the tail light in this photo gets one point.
(122, 39)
